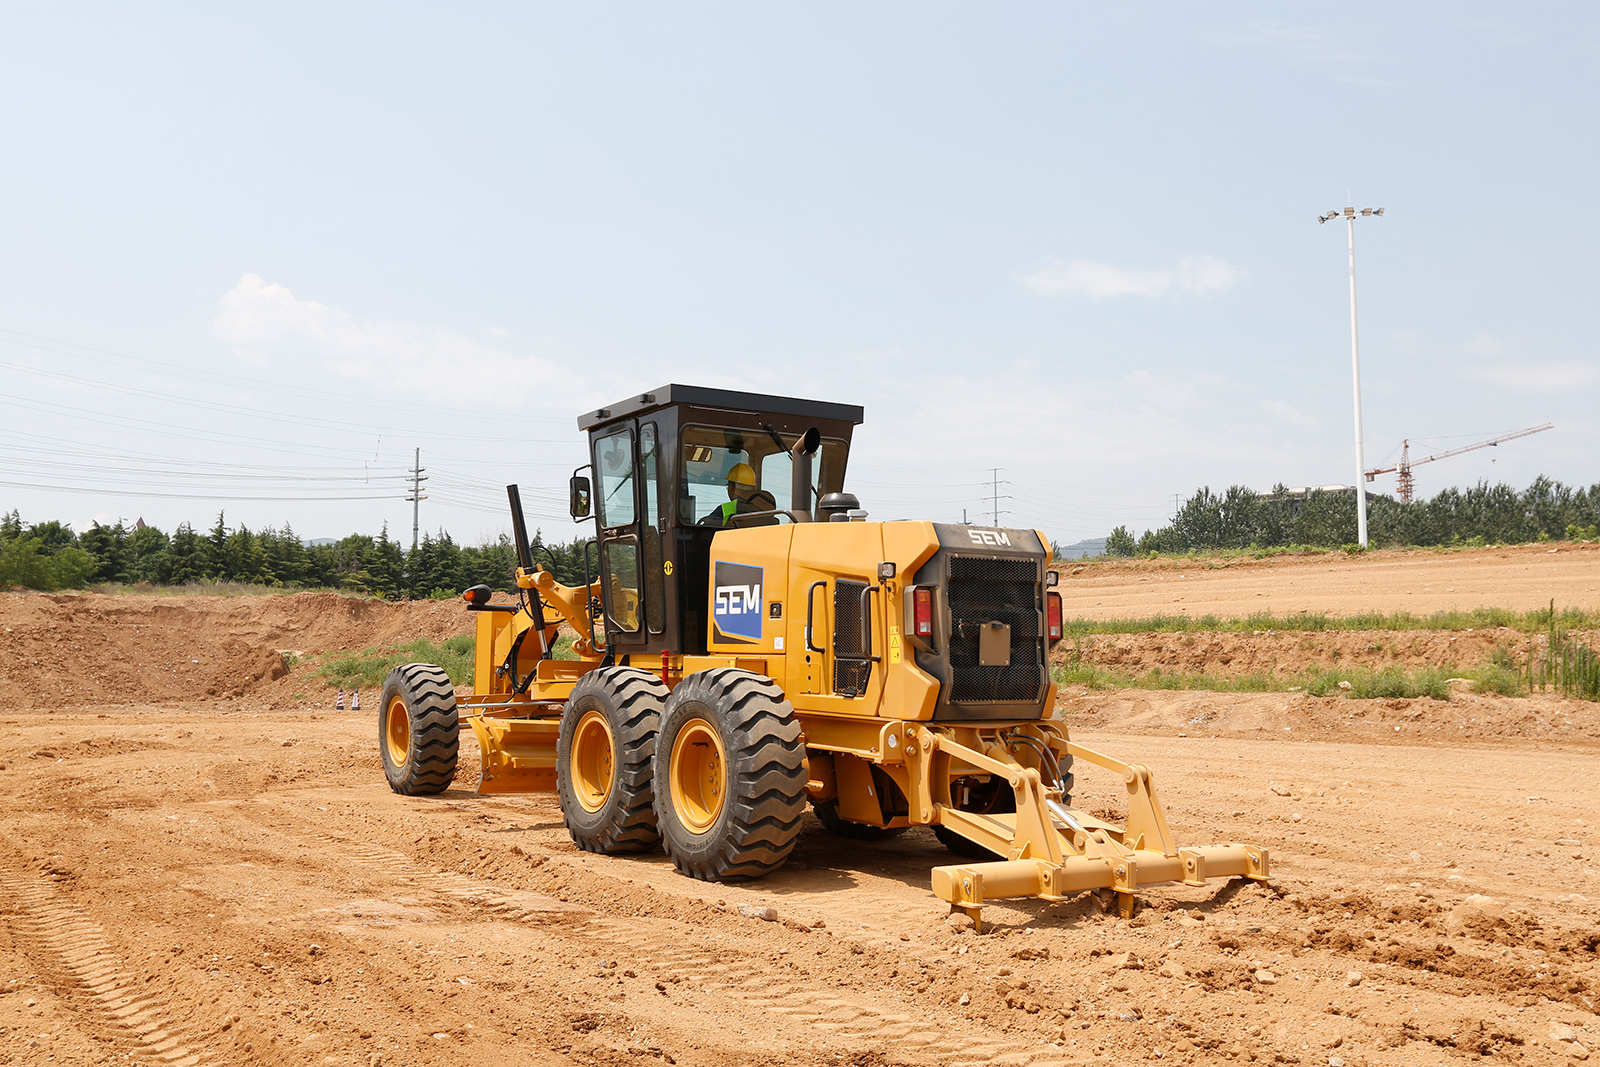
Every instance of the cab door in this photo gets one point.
(619, 504)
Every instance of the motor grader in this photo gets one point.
(737, 663)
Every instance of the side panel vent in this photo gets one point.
(849, 677)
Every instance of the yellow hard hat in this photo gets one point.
(742, 474)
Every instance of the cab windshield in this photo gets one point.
(710, 455)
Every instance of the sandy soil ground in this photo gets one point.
(225, 878)
(1421, 581)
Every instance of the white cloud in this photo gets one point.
(265, 322)
(1290, 414)
(1206, 275)
(1194, 275)
(1305, 44)
(1484, 345)
(1552, 377)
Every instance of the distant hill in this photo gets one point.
(1092, 547)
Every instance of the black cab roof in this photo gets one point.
(726, 399)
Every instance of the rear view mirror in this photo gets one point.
(578, 497)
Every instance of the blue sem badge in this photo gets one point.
(736, 602)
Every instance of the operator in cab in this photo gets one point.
(743, 498)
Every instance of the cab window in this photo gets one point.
(613, 464)
(711, 453)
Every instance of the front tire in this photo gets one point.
(604, 754)
(419, 734)
(730, 774)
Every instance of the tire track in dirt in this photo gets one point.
(73, 947)
(748, 980)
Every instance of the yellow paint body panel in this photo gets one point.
(794, 558)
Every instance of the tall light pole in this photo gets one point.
(1349, 215)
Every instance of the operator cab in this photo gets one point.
(662, 463)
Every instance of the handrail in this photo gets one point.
(811, 597)
(734, 520)
(588, 608)
(865, 655)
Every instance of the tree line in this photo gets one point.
(1482, 514)
(51, 555)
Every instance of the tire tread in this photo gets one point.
(766, 801)
(435, 744)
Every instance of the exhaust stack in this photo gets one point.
(800, 487)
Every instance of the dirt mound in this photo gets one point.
(1466, 716)
(1287, 653)
(90, 648)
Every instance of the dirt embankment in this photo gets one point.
(69, 648)
(1288, 652)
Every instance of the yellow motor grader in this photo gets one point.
(748, 643)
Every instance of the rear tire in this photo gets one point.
(604, 755)
(730, 773)
(418, 729)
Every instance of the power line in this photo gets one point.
(416, 498)
(101, 355)
(995, 494)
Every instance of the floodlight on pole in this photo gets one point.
(1349, 214)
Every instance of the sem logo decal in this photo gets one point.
(736, 602)
(990, 537)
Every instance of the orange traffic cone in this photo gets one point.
(338, 701)
(355, 700)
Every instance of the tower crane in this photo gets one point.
(1406, 462)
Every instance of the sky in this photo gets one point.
(1066, 256)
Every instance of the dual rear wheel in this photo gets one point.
(714, 771)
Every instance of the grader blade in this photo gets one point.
(519, 755)
(1051, 851)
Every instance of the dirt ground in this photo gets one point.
(200, 863)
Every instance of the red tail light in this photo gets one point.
(922, 611)
(1053, 616)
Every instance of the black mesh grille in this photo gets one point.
(849, 676)
(986, 590)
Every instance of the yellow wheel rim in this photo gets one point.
(699, 775)
(397, 730)
(592, 760)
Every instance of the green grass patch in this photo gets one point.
(1566, 664)
(1365, 684)
(1494, 678)
(368, 668)
(1357, 682)
(1476, 619)
(210, 588)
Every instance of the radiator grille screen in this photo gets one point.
(985, 590)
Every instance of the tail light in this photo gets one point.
(922, 612)
(1052, 602)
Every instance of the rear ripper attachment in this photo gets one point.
(745, 643)
(1045, 848)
